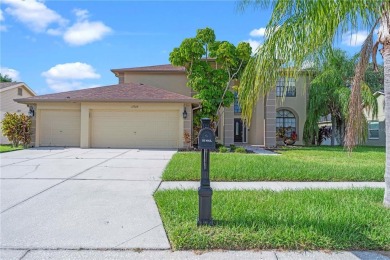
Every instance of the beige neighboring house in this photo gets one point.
(8, 92)
(152, 107)
(376, 126)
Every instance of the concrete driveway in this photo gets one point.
(70, 198)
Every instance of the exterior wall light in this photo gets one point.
(185, 113)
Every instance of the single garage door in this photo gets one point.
(140, 129)
(59, 128)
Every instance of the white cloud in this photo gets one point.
(69, 76)
(254, 44)
(3, 28)
(41, 19)
(354, 39)
(81, 14)
(85, 32)
(76, 70)
(257, 32)
(34, 14)
(13, 74)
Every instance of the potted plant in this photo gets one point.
(291, 140)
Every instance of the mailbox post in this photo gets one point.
(206, 142)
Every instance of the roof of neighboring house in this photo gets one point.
(156, 68)
(10, 85)
(128, 92)
(378, 93)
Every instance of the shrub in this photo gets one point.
(17, 128)
(232, 148)
(240, 150)
(223, 149)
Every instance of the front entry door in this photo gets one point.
(237, 130)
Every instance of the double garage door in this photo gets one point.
(112, 129)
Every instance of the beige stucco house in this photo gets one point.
(126, 115)
(270, 113)
(376, 125)
(152, 107)
(8, 92)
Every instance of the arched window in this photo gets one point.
(285, 123)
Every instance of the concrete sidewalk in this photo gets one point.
(179, 255)
(269, 185)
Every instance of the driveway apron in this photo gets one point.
(71, 198)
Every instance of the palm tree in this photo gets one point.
(329, 93)
(302, 31)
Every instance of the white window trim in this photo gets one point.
(369, 137)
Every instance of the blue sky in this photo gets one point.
(56, 46)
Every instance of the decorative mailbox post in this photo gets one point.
(206, 142)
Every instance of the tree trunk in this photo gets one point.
(386, 64)
(332, 138)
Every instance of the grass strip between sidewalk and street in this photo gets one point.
(353, 219)
(294, 164)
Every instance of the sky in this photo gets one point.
(56, 46)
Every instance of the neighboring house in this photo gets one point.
(8, 92)
(152, 107)
(376, 126)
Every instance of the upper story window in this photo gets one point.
(20, 92)
(373, 130)
(286, 86)
(237, 108)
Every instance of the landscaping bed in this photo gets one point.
(295, 220)
(294, 164)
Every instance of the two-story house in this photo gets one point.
(152, 107)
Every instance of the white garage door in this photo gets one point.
(59, 128)
(141, 129)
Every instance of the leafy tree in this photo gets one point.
(374, 79)
(329, 93)
(211, 67)
(5, 78)
(301, 31)
(17, 128)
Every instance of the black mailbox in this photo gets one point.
(206, 139)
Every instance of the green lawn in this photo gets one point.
(295, 164)
(297, 220)
(8, 148)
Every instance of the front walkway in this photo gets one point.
(270, 185)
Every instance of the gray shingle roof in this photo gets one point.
(8, 84)
(156, 68)
(129, 92)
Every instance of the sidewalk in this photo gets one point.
(269, 185)
(179, 255)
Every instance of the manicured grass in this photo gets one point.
(297, 220)
(8, 148)
(294, 164)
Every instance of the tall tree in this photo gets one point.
(301, 31)
(329, 93)
(5, 78)
(211, 66)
